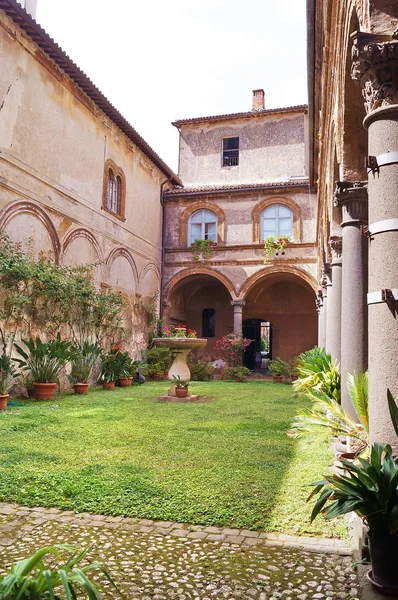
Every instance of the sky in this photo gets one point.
(162, 60)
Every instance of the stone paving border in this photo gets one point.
(245, 537)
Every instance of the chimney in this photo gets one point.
(30, 7)
(258, 99)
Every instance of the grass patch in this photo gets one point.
(227, 462)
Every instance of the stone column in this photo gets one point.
(375, 67)
(352, 197)
(322, 294)
(238, 308)
(319, 310)
(327, 274)
(334, 301)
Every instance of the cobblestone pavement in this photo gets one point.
(161, 560)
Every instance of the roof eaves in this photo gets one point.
(26, 22)
(225, 189)
(243, 115)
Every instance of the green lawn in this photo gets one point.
(227, 462)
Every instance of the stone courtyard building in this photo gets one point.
(245, 178)
(353, 125)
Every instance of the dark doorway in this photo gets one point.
(260, 331)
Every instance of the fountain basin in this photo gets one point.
(180, 348)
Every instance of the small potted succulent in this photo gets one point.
(181, 387)
(279, 369)
(7, 374)
(82, 364)
(44, 361)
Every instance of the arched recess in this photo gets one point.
(123, 274)
(268, 271)
(353, 136)
(199, 205)
(149, 282)
(200, 271)
(284, 201)
(80, 247)
(32, 220)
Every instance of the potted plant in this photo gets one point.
(278, 369)
(370, 489)
(127, 370)
(82, 366)
(181, 387)
(7, 374)
(112, 367)
(44, 361)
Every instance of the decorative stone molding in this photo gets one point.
(116, 252)
(319, 301)
(110, 166)
(352, 196)
(238, 302)
(336, 246)
(193, 208)
(282, 200)
(326, 277)
(375, 68)
(81, 233)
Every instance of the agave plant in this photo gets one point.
(32, 579)
(44, 360)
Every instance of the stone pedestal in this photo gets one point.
(375, 67)
(334, 301)
(352, 198)
(238, 319)
(180, 347)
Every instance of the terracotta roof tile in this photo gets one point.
(243, 115)
(180, 191)
(37, 34)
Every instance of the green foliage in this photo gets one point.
(38, 294)
(86, 355)
(239, 374)
(278, 367)
(8, 372)
(115, 364)
(200, 369)
(393, 408)
(358, 389)
(179, 383)
(316, 370)
(44, 360)
(369, 488)
(324, 419)
(158, 362)
(202, 249)
(272, 244)
(32, 579)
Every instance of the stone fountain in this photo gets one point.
(180, 347)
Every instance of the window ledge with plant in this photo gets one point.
(275, 245)
(202, 249)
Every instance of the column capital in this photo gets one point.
(375, 68)
(326, 277)
(237, 303)
(336, 246)
(319, 301)
(352, 197)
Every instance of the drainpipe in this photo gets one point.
(162, 202)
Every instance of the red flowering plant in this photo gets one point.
(202, 249)
(179, 331)
(233, 345)
(274, 244)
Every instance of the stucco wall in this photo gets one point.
(271, 148)
(53, 146)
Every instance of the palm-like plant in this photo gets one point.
(44, 360)
(83, 363)
(358, 389)
(8, 372)
(31, 579)
(316, 370)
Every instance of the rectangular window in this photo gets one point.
(230, 152)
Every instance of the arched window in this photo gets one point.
(114, 190)
(276, 220)
(208, 323)
(202, 225)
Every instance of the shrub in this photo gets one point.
(316, 370)
(239, 374)
(158, 361)
(233, 345)
(200, 369)
(278, 367)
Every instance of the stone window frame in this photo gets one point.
(281, 201)
(117, 173)
(205, 221)
(193, 208)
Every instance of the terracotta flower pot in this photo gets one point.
(182, 392)
(125, 381)
(44, 391)
(3, 402)
(277, 378)
(81, 388)
(108, 385)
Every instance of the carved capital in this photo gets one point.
(375, 68)
(336, 246)
(326, 277)
(237, 303)
(319, 301)
(352, 196)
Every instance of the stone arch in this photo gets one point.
(74, 237)
(146, 271)
(118, 254)
(265, 203)
(266, 272)
(200, 271)
(199, 205)
(22, 207)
